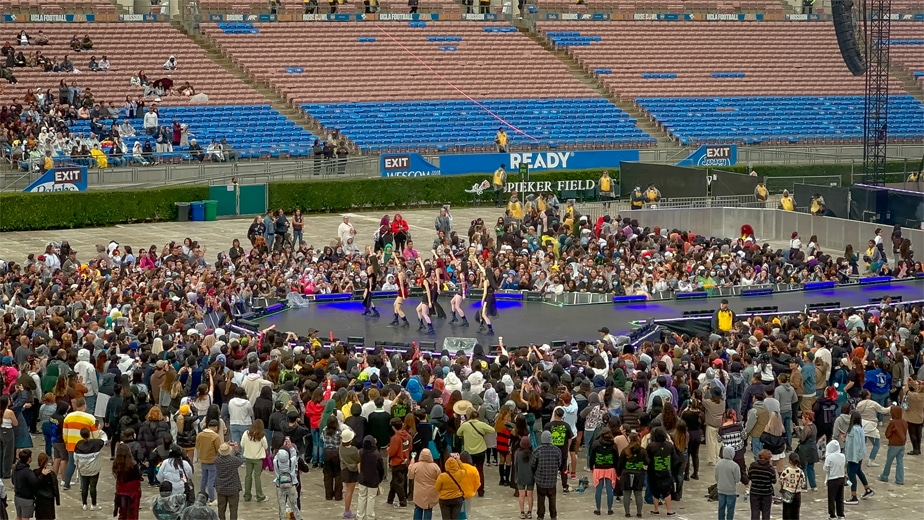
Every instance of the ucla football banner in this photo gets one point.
(406, 165)
(60, 178)
(536, 161)
(712, 155)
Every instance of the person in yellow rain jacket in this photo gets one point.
(606, 185)
(515, 207)
(498, 180)
(637, 198)
(761, 192)
(787, 201)
(652, 194)
(501, 140)
(100, 157)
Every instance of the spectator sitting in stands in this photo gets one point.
(126, 129)
(104, 64)
(311, 6)
(99, 156)
(170, 64)
(214, 152)
(227, 150)
(116, 156)
(40, 38)
(187, 89)
(23, 38)
(148, 151)
(86, 43)
(6, 49)
(138, 154)
(66, 65)
(195, 151)
(93, 65)
(109, 111)
(83, 113)
(7, 74)
(20, 60)
(10, 59)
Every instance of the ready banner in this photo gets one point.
(60, 178)
(712, 155)
(537, 161)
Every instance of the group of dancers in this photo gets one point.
(432, 283)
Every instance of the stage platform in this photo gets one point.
(522, 323)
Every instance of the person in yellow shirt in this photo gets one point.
(48, 162)
(760, 192)
(501, 140)
(449, 488)
(606, 185)
(652, 194)
(471, 484)
(99, 156)
(637, 198)
(787, 201)
(498, 180)
(515, 207)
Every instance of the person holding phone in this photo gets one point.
(285, 467)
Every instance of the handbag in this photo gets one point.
(268, 461)
(189, 489)
(434, 450)
(787, 496)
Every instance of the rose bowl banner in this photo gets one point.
(460, 164)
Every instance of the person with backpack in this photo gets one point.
(186, 430)
(285, 468)
(826, 411)
(88, 461)
(807, 449)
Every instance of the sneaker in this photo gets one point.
(873, 464)
(852, 501)
(349, 515)
(62, 483)
(869, 493)
(522, 515)
(573, 475)
(213, 503)
(264, 499)
(84, 507)
(94, 508)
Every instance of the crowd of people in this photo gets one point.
(135, 350)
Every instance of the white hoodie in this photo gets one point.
(87, 372)
(452, 382)
(835, 461)
(240, 411)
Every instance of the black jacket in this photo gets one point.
(151, 434)
(25, 481)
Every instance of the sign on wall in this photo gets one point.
(536, 161)
(406, 165)
(712, 155)
(60, 178)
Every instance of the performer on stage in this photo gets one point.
(371, 281)
(455, 304)
(437, 282)
(488, 302)
(403, 292)
(426, 303)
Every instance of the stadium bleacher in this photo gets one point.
(234, 110)
(744, 82)
(907, 48)
(420, 74)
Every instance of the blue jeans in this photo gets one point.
(238, 431)
(317, 451)
(606, 484)
(734, 404)
(810, 475)
(756, 446)
(727, 506)
(71, 468)
(207, 483)
(422, 514)
(91, 403)
(896, 453)
(787, 425)
(882, 399)
(872, 454)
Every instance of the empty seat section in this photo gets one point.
(421, 84)
(907, 47)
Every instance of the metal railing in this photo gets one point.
(778, 184)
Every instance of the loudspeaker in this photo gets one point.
(846, 32)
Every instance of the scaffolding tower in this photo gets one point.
(877, 24)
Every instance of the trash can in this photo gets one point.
(182, 211)
(197, 211)
(211, 209)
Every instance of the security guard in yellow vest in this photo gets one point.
(607, 193)
(636, 198)
(497, 183)
(652, 194)
(501, 140)
(515, 207)
(724, 318)
(760, 192)
(787, 201)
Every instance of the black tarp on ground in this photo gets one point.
(673, 181)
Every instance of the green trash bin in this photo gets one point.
(211, 209)
(182, 211)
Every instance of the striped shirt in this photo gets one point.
(763, 477)
(73, 423)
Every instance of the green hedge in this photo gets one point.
(74, 209)
(351, 194)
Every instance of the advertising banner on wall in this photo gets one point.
(60, 178)
(406, 165)
(536, 161)
(712, 155)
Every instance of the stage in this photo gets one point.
(522, 323)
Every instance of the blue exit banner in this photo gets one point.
(712, 155)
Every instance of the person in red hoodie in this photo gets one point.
(313, 410)
(399, 456)
(399, 229)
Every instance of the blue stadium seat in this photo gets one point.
(379, 126)
(755, 120)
